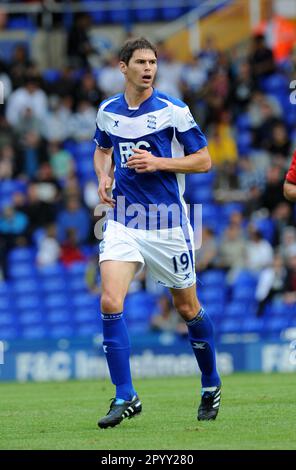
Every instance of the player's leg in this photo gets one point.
(201, 336)
(116, 277)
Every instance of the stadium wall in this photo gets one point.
(161, 355)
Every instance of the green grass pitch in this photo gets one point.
(257, 412)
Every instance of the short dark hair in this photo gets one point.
(133, 45)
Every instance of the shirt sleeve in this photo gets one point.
(101, 137)
(291, 175)
(188, 132)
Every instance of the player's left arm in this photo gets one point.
(197, 162)
(197, 158)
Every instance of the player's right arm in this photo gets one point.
(290, 183)
(103, 160)
(104, 170)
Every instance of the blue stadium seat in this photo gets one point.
(18, 270)
(34, 332)
(87, 329)
(57, 300)
(52, 270)
(213, 277)
(84, 300)
(244, 141)
(252, 325)
(21, 255)
(6, 318)
(235, 309)
(169, 12)
(245, 278)
(8, 333)
(58, 315)
(61, 331)
(243, 293)
(4, 303)
(276, 324)
(86, 314)
(54, 285)
(26, 285)
(243, 122)
(51, 75)
(77, 269)
(139, 305)
(210, 295)
(141, 14)
(30, 317)
(230, 325)
(27, 302)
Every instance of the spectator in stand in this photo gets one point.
(261, 59)
(39, 212)
(287, 246)
(82, 122)
(56, 122)
(110, 79)
(74, 216)
(273, 192)
(290, 182)
(88, 91)
(259, 252)
(232, 252)
(61, 161)
(6, 84)
(79, 46)
(48, 248)
(280, 144)
(206, 254)
(192, 79)
(221, 143)
(243, 88)
(70, 251)
(20, 66)
(272, 282)
(30, 96)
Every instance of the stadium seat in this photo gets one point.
(25, 286)
(252, 325)
(243, 293)
(8, 333)
(58, 315)
(274, 325)
(52, 270)
(57, 300)
(21, 255)
(27, 302)
(34, 332)
(6, 318)
(54, 285)
(30, 317)
(87, 329)
(139, 305)
(61, 331)
(212, 277)
(235, 309)
(230, 325)
(89, 314)
(170, 12)
(18, 270)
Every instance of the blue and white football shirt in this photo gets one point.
(163, 126)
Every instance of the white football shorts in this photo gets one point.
(167, 253)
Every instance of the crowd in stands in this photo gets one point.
(48, 190)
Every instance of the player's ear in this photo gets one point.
(122, 67)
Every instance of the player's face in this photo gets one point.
(141, 69)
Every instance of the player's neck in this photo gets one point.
(135, 97)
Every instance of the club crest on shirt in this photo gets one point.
(151, 121)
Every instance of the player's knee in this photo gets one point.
(187, 310)
(111, 303)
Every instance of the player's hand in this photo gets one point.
(105, 186)
(142, 161)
